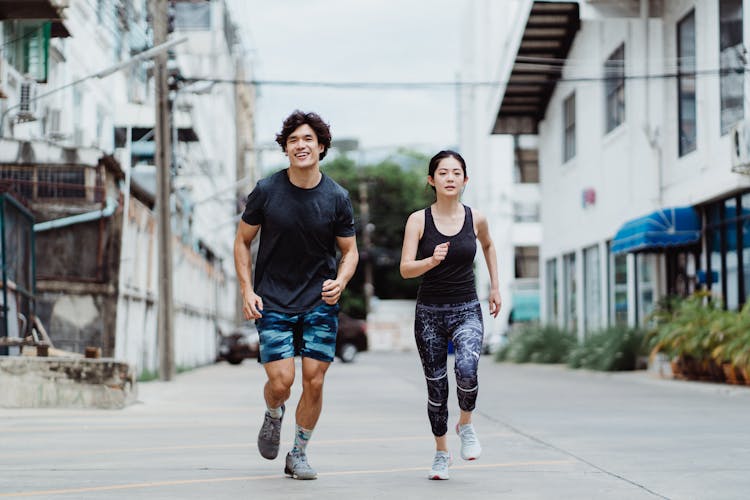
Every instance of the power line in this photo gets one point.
(31, 33)
(437, 85)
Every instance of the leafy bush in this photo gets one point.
(538, 344)
(613, 349)
(683, 327)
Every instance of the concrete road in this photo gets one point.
(547, 432)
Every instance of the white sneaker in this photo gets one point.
(440, 465)
(470, 447)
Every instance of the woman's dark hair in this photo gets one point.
(446, 153)
(299, 118)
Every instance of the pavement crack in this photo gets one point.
(570, 454)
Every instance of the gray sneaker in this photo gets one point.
(297, 466)
(470, 447)
(270, 435)
(440, 465)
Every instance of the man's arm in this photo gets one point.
(252, 304)
(332, 289)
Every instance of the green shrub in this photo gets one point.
(613, 349)
(148, 375)
(538, 344)
(683, 327)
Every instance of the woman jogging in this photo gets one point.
(440, 243)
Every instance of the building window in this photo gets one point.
(646, 275)
(527, 262)
(731, 53)
(743, 227)
(22, 180)
(591, 289)
(618, 290)
(614, 85)
(525, 212)
(570, 289)
(26, 46)
(686, 84)
(727, 233)
(194, 15)
(551, 290)
(57, 182)
(526, 169)
(569, 119)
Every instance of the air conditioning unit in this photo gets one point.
(27, 101)
(739, 139)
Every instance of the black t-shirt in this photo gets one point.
(297, 250)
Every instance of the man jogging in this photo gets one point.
(304, 216)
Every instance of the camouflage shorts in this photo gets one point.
(310, 334)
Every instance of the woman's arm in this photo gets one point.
(410, 267)
(488, 248)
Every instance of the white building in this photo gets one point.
(503, 170)
(212, 134)
(634, 105)
(83, 157)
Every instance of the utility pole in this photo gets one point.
(162, 137)
(364, 213)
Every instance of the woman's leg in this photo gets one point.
(432, 344)
(467, 329)
(467, 340)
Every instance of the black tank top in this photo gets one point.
(452, 281)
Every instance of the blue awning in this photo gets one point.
(668, 227)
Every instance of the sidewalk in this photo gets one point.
(547, 432)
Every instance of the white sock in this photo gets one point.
(274, 412)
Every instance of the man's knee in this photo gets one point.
(279, 387)
(280, 382)
(314, 383)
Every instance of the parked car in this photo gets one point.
(243, 342)
(351, 338)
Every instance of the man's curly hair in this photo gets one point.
(299, 118)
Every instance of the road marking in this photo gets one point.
(157, 484)
(109, 451)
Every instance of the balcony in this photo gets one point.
(51, 10)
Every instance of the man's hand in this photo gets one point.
(332, 291)
(252, 305)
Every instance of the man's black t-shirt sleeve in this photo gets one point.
(345, 218)
(256, 200)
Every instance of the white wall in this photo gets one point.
(490, 159)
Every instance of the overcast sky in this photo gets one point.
(357, 41)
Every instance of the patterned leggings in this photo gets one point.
(434, 325)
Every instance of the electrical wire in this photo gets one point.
(437, 85)
(31, 33)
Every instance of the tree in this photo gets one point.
(397, 186)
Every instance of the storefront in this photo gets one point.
(727, 249)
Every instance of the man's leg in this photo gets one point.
(311, 401)
(319, 328)
(277, 356)
(308, 411)
(280, 379)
